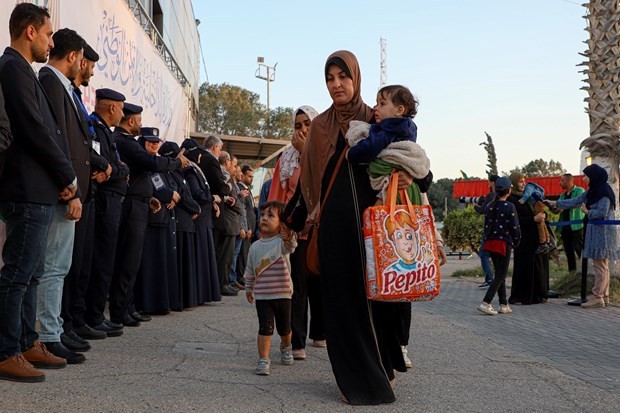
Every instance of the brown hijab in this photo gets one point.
(515, 177)
(323, 136)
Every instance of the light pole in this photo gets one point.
(270, 76)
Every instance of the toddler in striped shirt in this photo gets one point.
(268, 282)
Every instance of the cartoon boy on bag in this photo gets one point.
(404, 235)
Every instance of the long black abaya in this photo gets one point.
(530, 280)
(362, 340)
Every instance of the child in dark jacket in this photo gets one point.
(535, 194)
(390, 143)
(502, 233)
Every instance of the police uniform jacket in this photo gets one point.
(104, 141)
(37, 165)
(187, 206)
(199, 188)
(164, 195)
(141, 164)
(97, 162)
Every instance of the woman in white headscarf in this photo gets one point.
(287, 171)
(306, 288)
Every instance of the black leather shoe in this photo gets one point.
(130, 322)
(74, 342)
(112, 324)
(140, 317)
(229, 291)
(59, 350)
(90, 333)
(109, 330)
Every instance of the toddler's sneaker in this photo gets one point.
(287, 355)
(408, 362)
(504, 309)
(487, 308)
(262, 368)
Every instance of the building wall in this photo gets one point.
(180, 35)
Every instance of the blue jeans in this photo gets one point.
(233, 268)
(26, 233)
(485, 261)
(56, 265)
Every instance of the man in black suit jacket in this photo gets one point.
(37, 172)
(57, 80)
(5, 131)
(91, 168)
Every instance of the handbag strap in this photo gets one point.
(392, 190)
(331, 183)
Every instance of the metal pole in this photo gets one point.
(268, 82)
(584, 273)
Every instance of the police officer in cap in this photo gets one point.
(135, 211)
(110, 190)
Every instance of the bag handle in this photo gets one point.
(331, 183)
(392, 190)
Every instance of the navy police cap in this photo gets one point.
(190, 145)
(109, 94)
(131, 109)
(150, 134)
(169, 149)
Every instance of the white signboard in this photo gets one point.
(129, 62)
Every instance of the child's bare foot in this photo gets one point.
(379, 202)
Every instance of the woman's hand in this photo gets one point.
(404, 179)
(540, 217)
(443, 258)
(299, 140)
(584, 209)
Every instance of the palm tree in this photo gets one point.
(603, 86)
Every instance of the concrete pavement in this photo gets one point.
(543, 358)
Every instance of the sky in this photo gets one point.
(507, 67)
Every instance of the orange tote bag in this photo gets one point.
(401, 253)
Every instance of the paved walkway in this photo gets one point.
(544, 358)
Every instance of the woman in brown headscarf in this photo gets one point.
(362, 339)
(530, 275)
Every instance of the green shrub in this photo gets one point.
(463, 229)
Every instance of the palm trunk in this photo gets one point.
(603, 86)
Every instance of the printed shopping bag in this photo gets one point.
(401, 253)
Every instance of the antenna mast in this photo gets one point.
(383, 80)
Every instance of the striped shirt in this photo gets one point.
(268, 271)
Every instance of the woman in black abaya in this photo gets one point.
(362, 340)
(530, 275)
